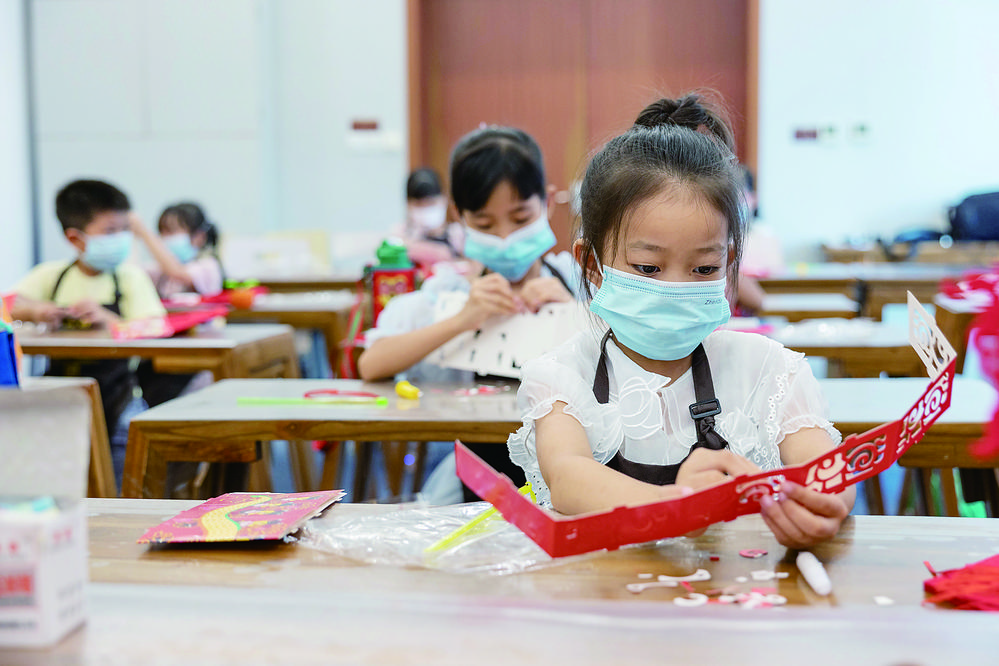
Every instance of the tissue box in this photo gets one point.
(43, 571)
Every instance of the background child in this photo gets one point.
(186, 251)
(94, 290)
(606, 418)
(499, 190)
(428, 236)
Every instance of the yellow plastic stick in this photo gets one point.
(455, 537)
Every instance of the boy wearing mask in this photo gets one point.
(95, 289)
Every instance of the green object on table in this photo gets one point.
(472, 527)
(380, 401)
(392, 255)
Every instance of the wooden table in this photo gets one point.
(299, 283)
(857, 405)
(795, 307)
(954, 317)
(210, 426)
(100, 480)
(855, 348)
(287, 603)
(872, 284)
(238, 350)
(325, 312)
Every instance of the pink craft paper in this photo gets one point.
(859, 457)
(242, 517)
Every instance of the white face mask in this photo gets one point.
(428, 218)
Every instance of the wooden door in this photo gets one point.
(572, 73)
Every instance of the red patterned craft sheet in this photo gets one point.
(242, 517)
(857, 458)
(166, 326)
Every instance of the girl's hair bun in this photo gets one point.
(690, 112)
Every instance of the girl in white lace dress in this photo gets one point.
(608, 416)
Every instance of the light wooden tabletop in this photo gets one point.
(235, 350)
(795, 307)
(287, 603)
(229, 337)
(212, 425)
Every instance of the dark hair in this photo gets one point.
(79, 202)
(682, 144)
(423, 183)
(192, 218)
(486, 157)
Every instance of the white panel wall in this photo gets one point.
(243, 105)
(337, 61)
(15, 177)
(920, 74)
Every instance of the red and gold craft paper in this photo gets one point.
(242, 517)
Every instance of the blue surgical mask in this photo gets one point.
(106, 252)
(514, 255)
(664, 321)
(181, 246)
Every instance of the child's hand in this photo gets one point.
(539, 291)
(91, 313)
(802, 518)
(49, 314)
(490, 295)
(705, 467)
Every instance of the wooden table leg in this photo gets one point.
(949, 492)
(333, 454)
(101, 482)
(300, 459)
(872, 492)
(420, 466)
(925, 478)
(362, 465)
(136, 460)
(394, 455)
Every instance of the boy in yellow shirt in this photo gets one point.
(93, 290)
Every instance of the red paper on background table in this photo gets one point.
(242, 517)
(859, 457)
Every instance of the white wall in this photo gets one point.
(921, 74)
(242, 105)
(15, 175)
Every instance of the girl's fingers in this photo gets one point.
(784, 529)
(822, 504)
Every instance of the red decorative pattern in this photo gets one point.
(857, 458)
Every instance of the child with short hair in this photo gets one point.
(94, 290)
(609, 415)
(499, 189)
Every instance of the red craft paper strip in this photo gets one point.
(858, 457)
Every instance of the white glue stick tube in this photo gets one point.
(814, 573)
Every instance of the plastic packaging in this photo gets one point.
(402, 537)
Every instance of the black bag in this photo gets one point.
(976, 218)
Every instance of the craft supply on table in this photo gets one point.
(973, 587)
(319, 397)
(407, 391)
(242, 517)
(471, 527)
(814, 573)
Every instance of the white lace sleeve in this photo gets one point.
(545, 381)
(802, 404)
